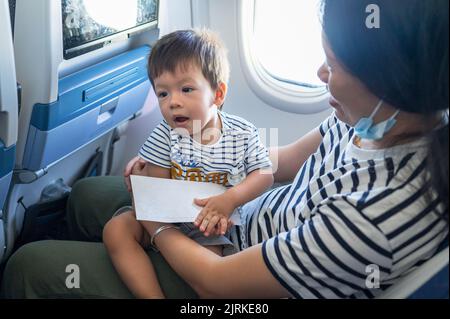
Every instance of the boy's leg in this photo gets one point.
(124, 238)
(51, 269)
(91, 204)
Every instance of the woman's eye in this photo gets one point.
(187, 90)
(162, 95)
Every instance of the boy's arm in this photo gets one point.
(153, 170)
(251, 187)
(149, 169)
(289, 159)
(155, 150)
(138, 166)
(213, 218)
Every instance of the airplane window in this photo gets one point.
(287, 40)
(281, 51)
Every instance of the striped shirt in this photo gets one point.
(349, 215)
(236, 154)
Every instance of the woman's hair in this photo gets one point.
(403, 60)
(186, 47)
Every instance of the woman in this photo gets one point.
(369, 185)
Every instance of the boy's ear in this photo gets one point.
(221, 93)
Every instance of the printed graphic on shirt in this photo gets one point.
(196, 174)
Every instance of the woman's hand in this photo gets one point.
(215, 215)
(135, 167)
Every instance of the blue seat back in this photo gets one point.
(90, 103)
(428, 281)
(7, 157)
(435, 288)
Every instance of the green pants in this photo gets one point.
(82, 268)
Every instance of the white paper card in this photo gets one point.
(171, 201)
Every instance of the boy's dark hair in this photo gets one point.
(183, 47)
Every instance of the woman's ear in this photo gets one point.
(221, 93)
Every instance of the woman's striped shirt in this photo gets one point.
(352, 222)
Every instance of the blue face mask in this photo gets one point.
(367, 130)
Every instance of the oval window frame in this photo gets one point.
(283, 95)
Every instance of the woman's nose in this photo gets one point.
(322, 73)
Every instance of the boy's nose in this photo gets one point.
(175, 105)
(175, 101)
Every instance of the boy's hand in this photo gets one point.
(135, 167)
(214, 217)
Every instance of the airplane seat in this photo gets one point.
(76, 88)
(90, 102)
(8, 113)
(12, 10)
(429, 280)
(82, 75)
(436, 287)
(7, 157)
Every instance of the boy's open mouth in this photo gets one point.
(180, 119)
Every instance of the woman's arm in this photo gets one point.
(242, 275)
(333, 264)
(288, 159)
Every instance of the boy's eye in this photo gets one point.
(187, 90)
(162, 95)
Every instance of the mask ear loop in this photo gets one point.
(394, 115)
(376, 108)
